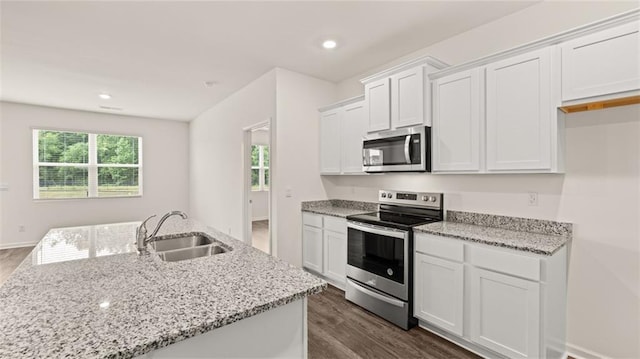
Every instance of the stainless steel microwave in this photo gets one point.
(403, 150)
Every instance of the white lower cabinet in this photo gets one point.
(312, 248)
(324, 247)
(505, 313)
(499, 302)
(439, 292)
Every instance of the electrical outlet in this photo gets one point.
(287, 192)
(533, 199)
(21, 228)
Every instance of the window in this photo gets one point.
(259, 168)
(85, 165)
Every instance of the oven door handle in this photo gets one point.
(369, 292)
(377, 230)
(407, 149)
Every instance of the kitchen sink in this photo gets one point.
(167, 243)
(190, 253)
(179, 247)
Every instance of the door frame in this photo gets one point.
(246, 174)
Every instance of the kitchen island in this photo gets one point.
(85, 292)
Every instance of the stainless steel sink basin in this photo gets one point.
(168, 243)
(190, 253)
(179, 247)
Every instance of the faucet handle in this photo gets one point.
(143, 227)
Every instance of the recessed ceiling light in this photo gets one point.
(104, 305)
(329, 44)
(104, 96)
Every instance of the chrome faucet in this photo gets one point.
(141, 233)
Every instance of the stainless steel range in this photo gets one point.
(380, 253)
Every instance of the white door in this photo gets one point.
(330, 141)
(439, 292)
(505, 313)
(354, 128)
(335, 256)
(603, 63)
(407, 98)
(457, 120)
(312, 248)
(519, 113)
(377, 98)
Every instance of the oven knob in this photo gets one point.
(384, 195)
(389, 271)
(389, 195)
(425, 198)
(432, 198)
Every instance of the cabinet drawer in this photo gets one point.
(335, 224)
(504, 261)
(311, 219)
(440, 246)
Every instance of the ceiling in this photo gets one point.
(154, 57)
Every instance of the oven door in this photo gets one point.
(379, 257)
(398, 150)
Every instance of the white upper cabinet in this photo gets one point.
(330, 128)
(408, 98)
(400, 96)
(342, 127)
(354, 128)
(457, 122)
(601, 63)
(520, 112)
(377, 98)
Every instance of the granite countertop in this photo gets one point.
(114, 303)
(529, 235)
(338, 207)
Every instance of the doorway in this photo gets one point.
(257, 186)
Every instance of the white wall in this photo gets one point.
(165, 180)
(216, 153)
(297, 156)
(600, 192)
(260, 199)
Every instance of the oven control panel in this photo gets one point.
(421, 199)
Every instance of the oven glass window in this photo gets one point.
(376, 254)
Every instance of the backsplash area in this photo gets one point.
(512, 223)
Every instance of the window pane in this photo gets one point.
(255, 155)
(117, 149)
(266, 178)
(255, 179)
(63, 147)
(118, 181)
(266, 156)
(63, 182)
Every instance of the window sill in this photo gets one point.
(44, 200)
(259, 190)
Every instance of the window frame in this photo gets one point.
(262, 187)
(92, 164)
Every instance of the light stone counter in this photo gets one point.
(84, 292)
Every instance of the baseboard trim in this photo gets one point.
(17, 245)
(578, 352)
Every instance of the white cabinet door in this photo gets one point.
(407, 98)
(457, 120)
(439, 292)
(330, 141)
(505, 313)
(518, 122)
(603, 63)
(312, 248)
(335, 256)
(354, 128)
(377, 97)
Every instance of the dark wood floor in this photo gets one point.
(10, 259)
(340, 329)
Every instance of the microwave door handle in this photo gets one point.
(407, 149)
